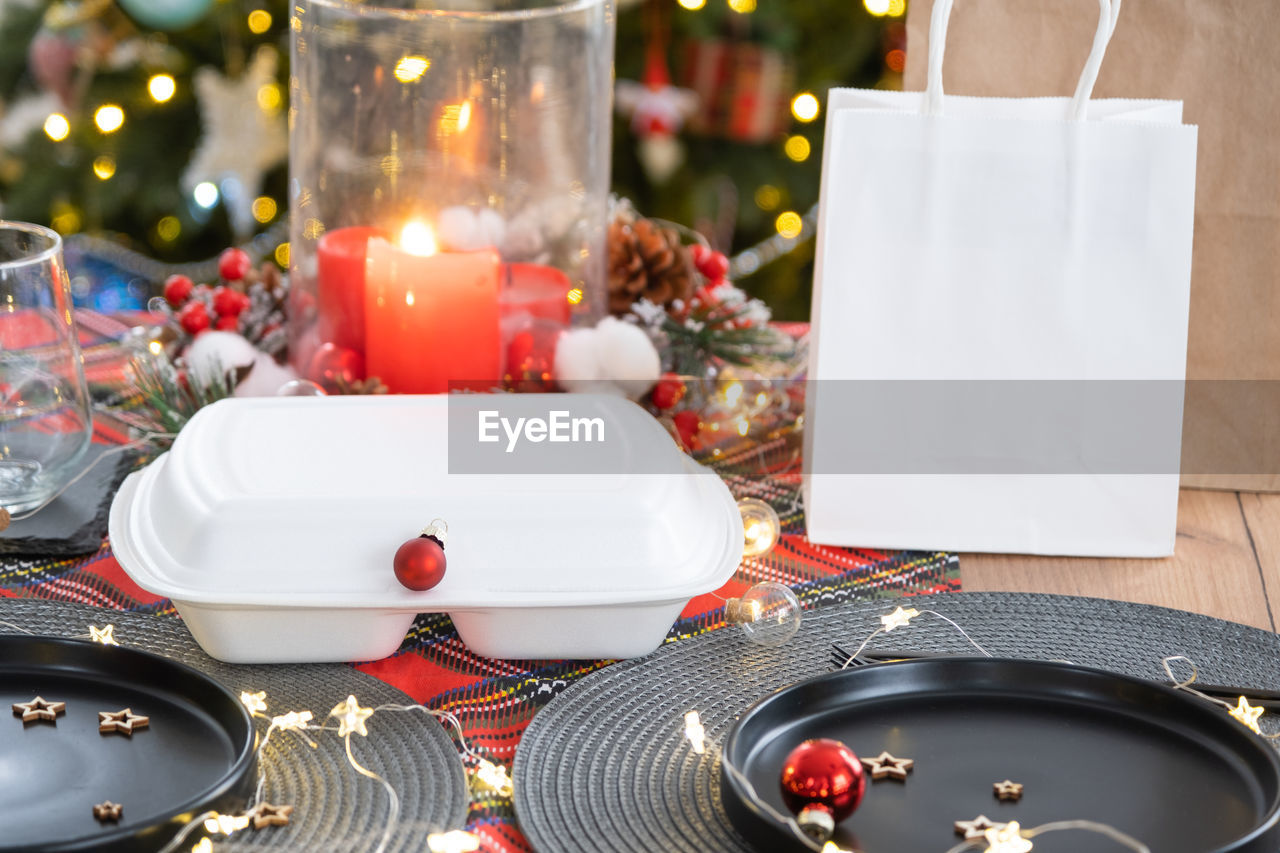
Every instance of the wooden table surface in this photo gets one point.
(1226, 564)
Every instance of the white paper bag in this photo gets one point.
(999, 320)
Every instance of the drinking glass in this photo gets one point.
(45, 423)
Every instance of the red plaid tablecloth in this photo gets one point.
(496, 699)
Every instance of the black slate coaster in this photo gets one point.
(76, 522)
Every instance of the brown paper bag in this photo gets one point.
(1220, 59)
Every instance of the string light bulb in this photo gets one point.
(692, 5)
(1247, 714)
(879, 8)
(898, 618)
(351, 717)
(491, 779)
(1007, 839)
(694, 732)
(255, 702)
(769, 614)
(743, 7)
(453, 841)
(761, 527)
(162, 87)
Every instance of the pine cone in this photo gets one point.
(372, 385)
(646, 261)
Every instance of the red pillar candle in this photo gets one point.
(534, 290)
(431, 318)
(340, 262)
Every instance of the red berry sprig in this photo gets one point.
(234, 264)
(177, 289)
(713, 265)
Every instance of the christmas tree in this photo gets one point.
(163, 124)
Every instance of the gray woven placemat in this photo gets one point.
(335, 809)
(605, 766)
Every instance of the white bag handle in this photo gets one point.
(1108, 14)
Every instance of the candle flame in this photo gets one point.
(416, 238)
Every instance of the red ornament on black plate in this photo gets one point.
(420, 563)
(822, 784)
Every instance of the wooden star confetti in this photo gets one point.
(255, 702)
(1006, 839)
(1247, 714)
(265, 814)
(351, 717)
(976, 828)
(124, 722)
(108, 810)
(897, 618)
(105, 635)
(885, 766)
(39, 709)
(1008, 791)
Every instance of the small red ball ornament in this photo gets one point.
(176, 289)
(234, 264)
(420, 563)
(822, 784)
(194, 318)
(228, 302)
(332, 366)
(669, 391)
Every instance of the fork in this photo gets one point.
(842, 659)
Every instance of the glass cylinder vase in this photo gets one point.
(449, 175)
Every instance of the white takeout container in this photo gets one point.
(272, 523)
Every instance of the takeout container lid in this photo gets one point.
(272, 524)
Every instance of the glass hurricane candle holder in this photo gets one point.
(449, 175)
(45, 422)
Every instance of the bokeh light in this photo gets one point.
(56, 127)
(789, 224)
(804, 106)
(797, 148)
(109, 118)
(161, 87)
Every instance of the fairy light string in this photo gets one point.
(1244, 713)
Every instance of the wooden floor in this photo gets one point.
(1226, 564)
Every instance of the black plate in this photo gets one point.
(196, 754)
(1171, 770)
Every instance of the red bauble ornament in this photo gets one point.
(332, 363)
(420, 563)
(669, 391)
(227, 324)
(194, 318)
(822, 784)
(228, 302)
(177, 288)
(688, 423)
(234, 264)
